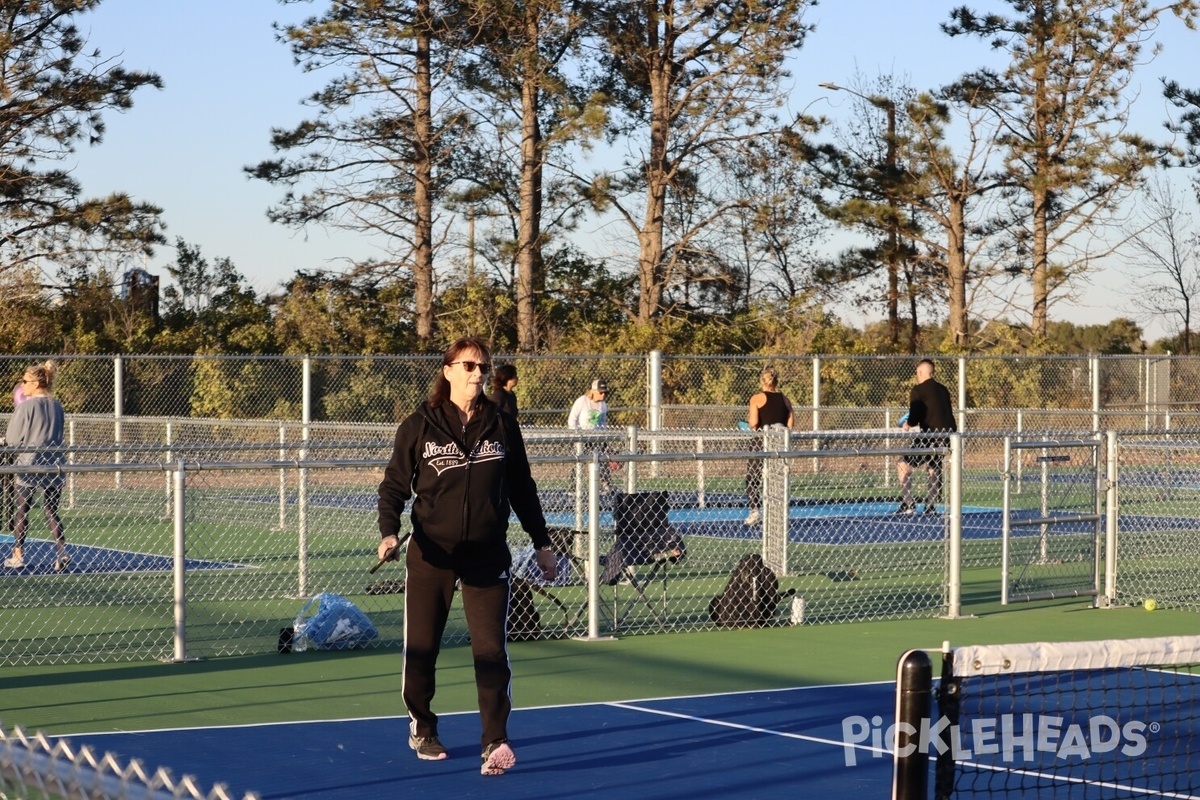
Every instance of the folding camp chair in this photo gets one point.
(571, 571)
(642, 535)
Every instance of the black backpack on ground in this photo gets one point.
(750, 597)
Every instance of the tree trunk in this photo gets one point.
(1042, 141)
(529, 245)
(956, 273)
(423, 181)
(1040, 278)
(650, 237)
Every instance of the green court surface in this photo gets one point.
(62, 700)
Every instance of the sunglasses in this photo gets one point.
(470, 366)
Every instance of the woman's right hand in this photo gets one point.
(388, 547)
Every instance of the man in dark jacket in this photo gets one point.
(929, 409)
(464, 466)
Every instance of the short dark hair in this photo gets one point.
(501, 375)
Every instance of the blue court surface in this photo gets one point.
(40, 555)
(763, 744)
(811, 521)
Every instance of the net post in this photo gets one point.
(948, 697)
(914, 692)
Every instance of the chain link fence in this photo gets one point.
(1157, 546)
(649, 527)
(655, 390)
(36, 767)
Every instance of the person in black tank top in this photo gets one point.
(768, 407)
(929, 409)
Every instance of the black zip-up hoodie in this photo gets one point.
(465, 479)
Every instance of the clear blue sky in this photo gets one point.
(227, 82)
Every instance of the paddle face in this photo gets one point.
(743, 425)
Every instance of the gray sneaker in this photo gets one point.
(428, 748)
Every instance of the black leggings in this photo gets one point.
(428, 593)
(52, 494)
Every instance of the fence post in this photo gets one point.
(306, 401)
(282, 477)
(1144, 377)
(167, 459)
(118, 412)
(887, 445)
(1110, 501)
(302, 483)
(1006, 511)
(816, 412)
(580, 483)
(816, 393)
(962, 393)
(302, 530)
(593, 570)
(631, 433)
(180, 568)
(71, 460)
(954, 512)
(1020, 461)
(655, 390)
(656, 401)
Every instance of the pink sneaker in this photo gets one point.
(497, 758)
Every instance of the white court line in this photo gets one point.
(751, 728)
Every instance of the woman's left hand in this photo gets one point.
(548, 563)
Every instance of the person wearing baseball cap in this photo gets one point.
(590, 412)
(591, 408)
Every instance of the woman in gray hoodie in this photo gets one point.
(36, 431)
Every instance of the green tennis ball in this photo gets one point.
(1150, 604)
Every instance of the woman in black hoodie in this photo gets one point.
(464, 466)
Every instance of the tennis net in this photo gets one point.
(1102, 719)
